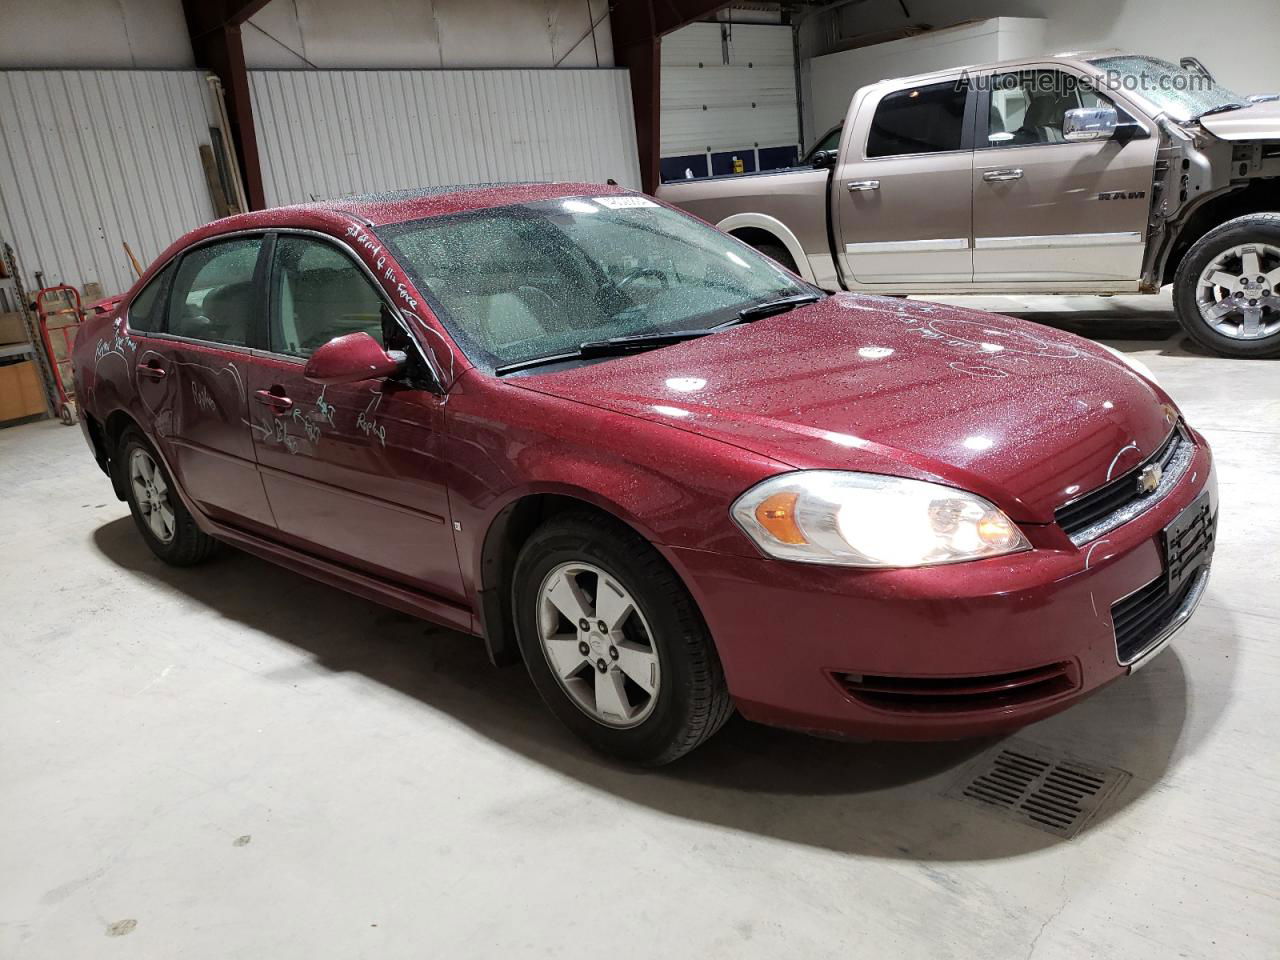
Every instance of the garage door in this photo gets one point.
(728, 99)
(331, 133)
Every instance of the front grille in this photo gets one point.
(960, 694)
(1141, 617)
(1119, 501)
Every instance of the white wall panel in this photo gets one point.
(331, 133)
(90, 158)
(712, 105)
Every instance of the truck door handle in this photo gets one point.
(276, 400)
(152, 371)
(1012, 173)
(856, 185)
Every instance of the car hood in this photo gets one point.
(1261, 121)
(1027, 416)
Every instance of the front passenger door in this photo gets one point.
(1046, 211)
(353, 471)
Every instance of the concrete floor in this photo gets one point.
(234, 762)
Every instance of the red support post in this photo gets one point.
(637, 27)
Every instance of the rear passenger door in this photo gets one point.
(191, 377)
(902, 194)
(353, 471)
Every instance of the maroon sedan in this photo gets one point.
(672, 477)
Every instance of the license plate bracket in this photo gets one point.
(1188, 541)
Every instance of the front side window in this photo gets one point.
(213, 294)
(1030, 107)
(534, 280)
(318, 293)
(926, 119)
(147, 309)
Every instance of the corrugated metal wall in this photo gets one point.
(89, 158)
(728, 88)
(330, 133)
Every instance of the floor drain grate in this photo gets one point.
(1039, 787)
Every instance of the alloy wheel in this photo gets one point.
(1237, 292)
(151, 494)
(598, 644)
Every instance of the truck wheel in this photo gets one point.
(614, 643)
(777, 253)
(1227, 289)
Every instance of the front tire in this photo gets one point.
(1225, 291)
(614, 643)
(162, 519)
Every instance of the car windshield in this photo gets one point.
(522, 282)
(1183, 94)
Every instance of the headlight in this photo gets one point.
(1134, 364)
(867, 520)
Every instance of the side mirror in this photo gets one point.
(1194, 65)
(350, 359)
(1089, 123)
(823, 159)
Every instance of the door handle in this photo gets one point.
(277, 400)
(857, 185)
(994, 176)
(151, 371)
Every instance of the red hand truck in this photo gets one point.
(59, 313)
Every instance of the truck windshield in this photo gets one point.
(517, 283)
(1181, 93)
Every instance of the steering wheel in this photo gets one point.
(643, 272)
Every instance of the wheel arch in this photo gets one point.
(1258, 196)
(752, 228)
(109, 434)
(507, 532)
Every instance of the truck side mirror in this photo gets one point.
(1090, 123)
(823, 159)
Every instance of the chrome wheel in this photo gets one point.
(1237, 292)
(151, 494)
(598, 644)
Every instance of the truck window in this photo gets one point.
(1030, 106)
(926, 119)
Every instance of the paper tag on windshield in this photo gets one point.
(622, 203)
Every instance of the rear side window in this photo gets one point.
(926, 119)
(214, 297)
(147, 309)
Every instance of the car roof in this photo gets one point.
(399, 206)
(378, 209)
(1077, 58)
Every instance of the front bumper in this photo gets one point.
(942, 652)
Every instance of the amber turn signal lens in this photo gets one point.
(994, 529)
(777, 514)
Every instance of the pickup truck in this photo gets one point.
(1097, 173)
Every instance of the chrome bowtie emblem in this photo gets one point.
(1149, 478)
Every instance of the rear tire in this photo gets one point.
(646, 688)
(164, 522)
(1225, 290)
(779, 254)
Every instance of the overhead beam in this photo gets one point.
(214, 29)
(638, 27)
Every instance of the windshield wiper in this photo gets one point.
(613, 347)
(618, 346)
(637, 341)
(1222, 108)
(758, 311)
